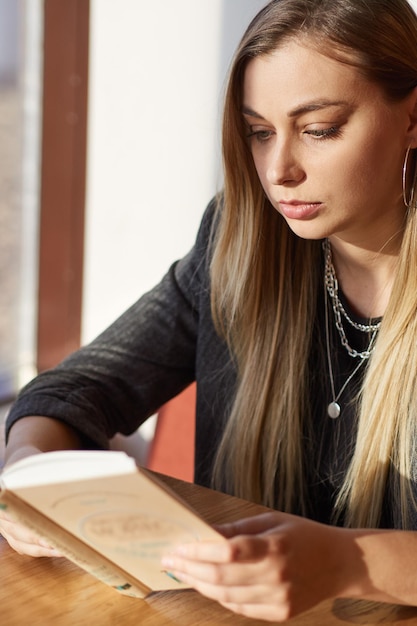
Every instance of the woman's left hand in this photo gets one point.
(272, 566)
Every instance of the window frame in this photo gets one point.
(63, 179)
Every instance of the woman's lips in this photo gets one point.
(297, 210)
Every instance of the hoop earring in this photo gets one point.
(409, 202)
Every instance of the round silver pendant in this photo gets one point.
(333, 410)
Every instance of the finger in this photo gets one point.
(256, 548)
(210, 551)
(20, 533)
(12, 528)
(31, 549)
(30, 546)
(262, 571)
(267, 612)
(5, 517)
(253, 525)
(222, 593)
(25, 541)
(239, 549)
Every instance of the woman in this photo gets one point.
(295, 312)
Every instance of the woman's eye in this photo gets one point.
(324, 133)
(260, 135)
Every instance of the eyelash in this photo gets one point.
(326, 133)
(260, 135)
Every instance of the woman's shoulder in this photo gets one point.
(196, 264)
(210, 220)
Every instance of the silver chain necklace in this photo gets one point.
(332, 287)
(334, 408)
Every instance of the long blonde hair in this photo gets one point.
(265, 281)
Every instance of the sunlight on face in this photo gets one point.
(327, 145)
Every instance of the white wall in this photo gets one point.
(156, 76)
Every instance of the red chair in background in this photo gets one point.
(172, 449)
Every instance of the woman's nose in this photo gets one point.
(283, 167)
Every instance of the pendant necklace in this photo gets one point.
(334, 408)
(331, 288)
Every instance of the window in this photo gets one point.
(20, 86)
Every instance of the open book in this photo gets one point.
(103, 513)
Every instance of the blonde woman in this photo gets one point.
(295, 312)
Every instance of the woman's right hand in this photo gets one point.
(23, 540)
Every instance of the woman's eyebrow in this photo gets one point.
(248, 111)
(316, 105)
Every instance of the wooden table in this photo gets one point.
(43, 592)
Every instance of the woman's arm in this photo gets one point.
(31, 435)
(145, 358)
(275, 566)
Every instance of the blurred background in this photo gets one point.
(109, 152)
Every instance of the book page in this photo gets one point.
(64, 465)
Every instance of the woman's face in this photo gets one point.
(327, 145)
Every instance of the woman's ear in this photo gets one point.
(412, 111)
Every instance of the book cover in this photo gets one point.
(105, 514)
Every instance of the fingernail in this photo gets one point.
(56, 553)
(171, 575)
